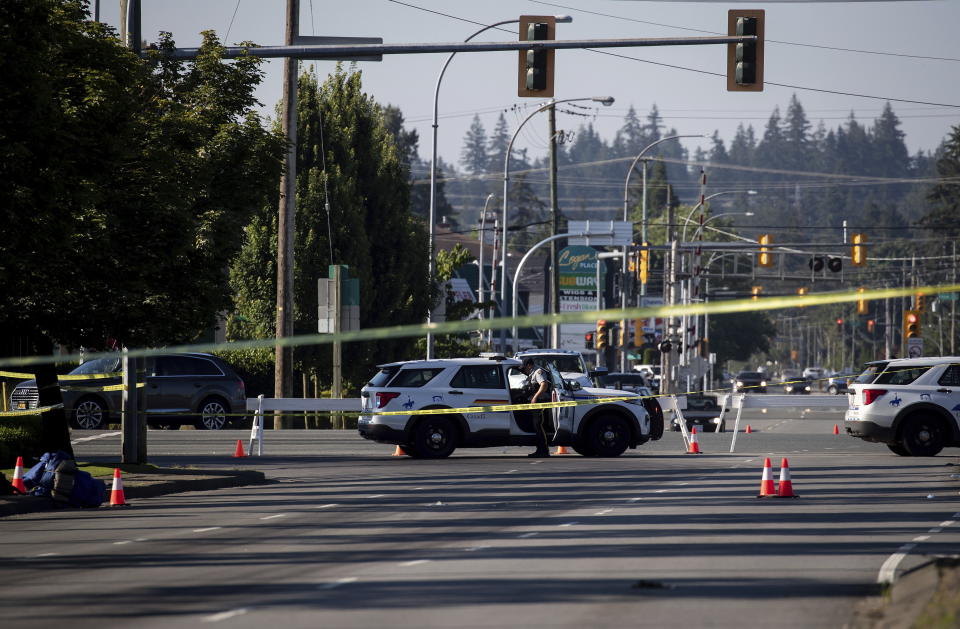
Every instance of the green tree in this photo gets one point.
(352, 208)
(944, 198)
(452, 345)
(739, 335)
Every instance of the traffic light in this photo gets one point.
(624, 333)
(911, 324)
(871, 325)
(602, 339)
(588, 340)
(745, 60)
(643, 272)
(802, 291)
(755, 292)
(920, 302)
(536, 64)
(835, 265)
(861, 303)
(840, 324)
(638, 335)
(815, 264)
(765, 258)
(859, 250)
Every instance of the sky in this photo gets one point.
(870, 51)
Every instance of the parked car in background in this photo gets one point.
(837, 382)
(188, 388)
(703, 413)
(750, 382)
(634, 382)
(813, 373)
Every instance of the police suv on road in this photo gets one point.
(910, 404)
(592, 429)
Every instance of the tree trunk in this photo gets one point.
(54, 431)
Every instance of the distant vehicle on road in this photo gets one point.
(703, 413)
(797, 386)
(750, 382)
(837, 382)
(909, 404)
(189, 388)
(633, 382)
(813, 373)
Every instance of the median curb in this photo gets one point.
(137, 486)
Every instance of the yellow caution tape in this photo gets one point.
(31, 411)
(66, 376)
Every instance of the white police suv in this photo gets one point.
(910, 404)
(419, 405)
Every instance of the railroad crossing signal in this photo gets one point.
(745, 60)
(535, 76)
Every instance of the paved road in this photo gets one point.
(350, 536)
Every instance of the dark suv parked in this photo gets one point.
(198, 389)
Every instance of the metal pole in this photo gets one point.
(481, 294)
(432, 219)
(554, 229)
(286, 217)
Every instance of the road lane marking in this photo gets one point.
(948, 523)
(935, 530)
(326, 506)
(226, 615)
(530, 534)
(121, 543)
(921, 538)
(48, 554)
(472, 549)
(94, 437)
(338, 583)
(604, 512)
(888, 570)
(207, 529)
(377, 496)
(274, 516)
(415, 562)
(512, 471)
(569, 523)
(660, 491)
(637, 499)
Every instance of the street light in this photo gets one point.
(483, 234)
(606, 101)
(565, 19)
(689, 217)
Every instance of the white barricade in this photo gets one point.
(261, 405)
(741, 401)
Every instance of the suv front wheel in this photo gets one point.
(922, 435)
(213, 414)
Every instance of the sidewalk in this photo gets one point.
(170, 481)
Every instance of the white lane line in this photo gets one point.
(512, 471)
(419, 488)
(94, 437)
(274, 516)
(660, 491)
(121, 543)
(569, 523)
(683, 484)
(530, 534)
(377, 496)
(226, 615)
(935, 530)
(326, 506)
(415, 562)
(888, 571)
(338, 583)
(48, 554)
(207, 529)
(921, 538)
(948, 523)
(604, 512)
(472, 549)
(637, 499)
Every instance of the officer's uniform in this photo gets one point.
(536, 378)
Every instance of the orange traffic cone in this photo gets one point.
(116, 493)
(766, 481)
(694, 447)
(239, 454)
(836, 429)
(748, 431)
(785, 487)
(18, 477)
(562, 450)
(399, 452)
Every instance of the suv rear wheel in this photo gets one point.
(434, 438)
(608, 436)
(922, 435)
(213, 414)
(89, 414)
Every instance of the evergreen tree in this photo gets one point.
(631, 137)
(945, 195)
(473, 156)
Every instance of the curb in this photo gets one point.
(142, 486)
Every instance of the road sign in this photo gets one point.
(604, 233)
(577, 269)
(915, 347)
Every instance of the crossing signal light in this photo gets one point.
(911, 324)
(859, 251)
(766, 258)
(602, 339)
(839, 324)
(745, 60)
(536, 64)
(643, 272)
(588, 340)
(861, 303)
(871, 325)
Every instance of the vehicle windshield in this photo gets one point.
(750, 374)
(563, 362)
(901, 375)
(99, 365)
(869, 374)
(383, 376)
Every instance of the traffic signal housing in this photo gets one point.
(745, 60)
(861, 303)
(766, 257)
(920, 302)
(535, 75)
(643, 269)
(858, 252)
(912, 324)
(602, 339)
(588, 340)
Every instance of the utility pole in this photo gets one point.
(554, 229)
(286, 219)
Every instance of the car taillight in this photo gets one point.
(384, 398)
(869, 395)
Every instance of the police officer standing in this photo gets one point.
(537, 377)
